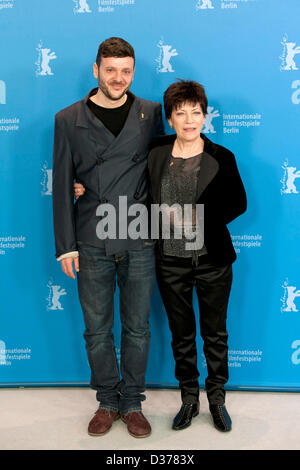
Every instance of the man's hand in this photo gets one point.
(67, 266)
(79, 190)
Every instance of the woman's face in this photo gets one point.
(187, 121)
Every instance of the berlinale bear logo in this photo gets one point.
(2, 92)
(164, 58)
(208, 127)
(44, 58)
(55, 292)
(46, 182)
(204, 4)
(81, 6)
(2, 353)
(288, 298)
(288, 180)
(290, 49)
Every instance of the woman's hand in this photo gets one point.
(79, 190)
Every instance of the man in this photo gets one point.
(102, 141)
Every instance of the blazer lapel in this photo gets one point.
(131, 129)
(99, 134)
(86, 119)
(158, 169)
(209, 167)
(104, 141)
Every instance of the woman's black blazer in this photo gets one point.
(219, 188)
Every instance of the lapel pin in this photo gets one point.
(172, 163)
(142, 115)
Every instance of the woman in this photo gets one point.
(188, 171)
(188, 168)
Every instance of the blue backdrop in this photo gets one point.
(247, 54)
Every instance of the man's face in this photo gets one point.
(114, 76)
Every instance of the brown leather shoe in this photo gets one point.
(137, 424)
(102, 422)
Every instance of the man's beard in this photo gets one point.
(106, 92)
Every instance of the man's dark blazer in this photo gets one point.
(108, 167)
(219, 188)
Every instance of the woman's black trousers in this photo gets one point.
(176, 279)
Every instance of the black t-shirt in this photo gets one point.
(112, 118)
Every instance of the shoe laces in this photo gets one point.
(221, 415)
(131, 415)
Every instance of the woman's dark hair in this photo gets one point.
(114, 47)
(184, 91)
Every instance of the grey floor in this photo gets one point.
(57, 419)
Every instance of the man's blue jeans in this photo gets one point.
(135, 272)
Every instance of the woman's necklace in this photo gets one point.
(184, 152)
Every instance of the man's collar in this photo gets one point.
(91, 93)
(82, 119)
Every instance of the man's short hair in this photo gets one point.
(114, 47)
(184, 91)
